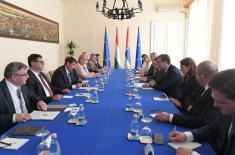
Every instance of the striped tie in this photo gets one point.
(18, 92)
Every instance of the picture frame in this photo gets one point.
(18, 23)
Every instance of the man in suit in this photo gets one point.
(65, 77)
(171, 77)
(16, 101)
(221, 132)
(201, 111)
(97, 61)
(39, 83)
(152, 70)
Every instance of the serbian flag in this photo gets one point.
(127, 53)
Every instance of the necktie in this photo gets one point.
(18, 92)
(69, 77)
(45, 84)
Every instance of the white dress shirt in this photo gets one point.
(44, 88)
(12, 89)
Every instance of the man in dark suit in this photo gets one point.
(171, 77)
(16, 101)
(39, 83)
(221, 132)
(202, 111)
(65, 77)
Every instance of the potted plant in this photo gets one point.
(71, 46)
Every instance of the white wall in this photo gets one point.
(18, 50)
(86, 27)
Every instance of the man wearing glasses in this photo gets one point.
(39, 83)
(16, 101)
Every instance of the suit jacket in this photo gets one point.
(216, 133)
(60, 79)
(36, 86)
(150, 71)
(7, 108)
(201, 113)
(170, 82)
(189, 87)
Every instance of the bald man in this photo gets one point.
(200, 111)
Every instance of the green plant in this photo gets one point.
(71, 46)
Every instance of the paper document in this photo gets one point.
(148, 88)
(16, 143)
(138, 85)
(44, 115)
(188, 145)
(160, 99)
(153, 115)
(88, 88)
(67, 96)
(82, 94)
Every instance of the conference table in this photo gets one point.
(108, 124)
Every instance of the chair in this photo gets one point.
(51, 72)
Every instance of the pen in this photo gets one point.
(174, 131)
(156, 109)
(5, 143)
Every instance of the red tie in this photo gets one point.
(45, 84)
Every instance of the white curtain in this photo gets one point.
(227, 53)
(198, 30)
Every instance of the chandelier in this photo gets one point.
(119, 13)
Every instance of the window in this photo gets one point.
(168, 36)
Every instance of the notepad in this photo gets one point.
(153, 115)
(160, 99)
(44, 115)
(188, 145)
(148, 88)
(16, 143)
(88, 88)
(67, 96)
(82, 94)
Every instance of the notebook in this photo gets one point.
(56, 107)
(26, 130)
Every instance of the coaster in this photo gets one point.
(72, 121)
(81, 123)
(146, 139)
(129, 109)
(130, 137)
(137, 110)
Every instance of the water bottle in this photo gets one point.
(148, 150)
(101, 84)
(135, 128)
(55, 146)
(81, 114)
(129, 103)
(95, 96)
